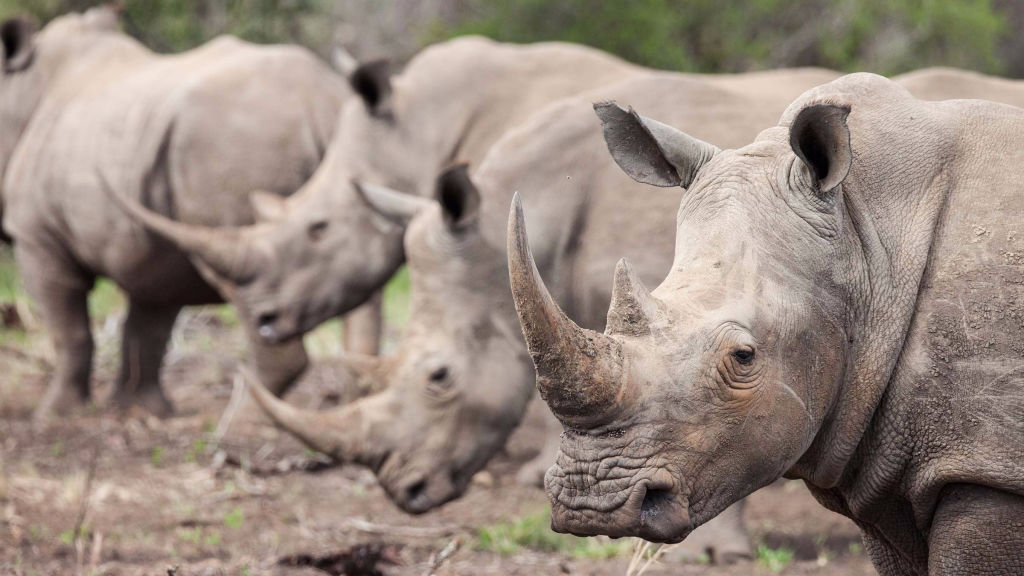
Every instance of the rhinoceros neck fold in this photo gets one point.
(891, 218)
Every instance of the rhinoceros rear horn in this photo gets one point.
(651, 152)
(343, 61)
(331, 432)
(18, 48)
(633, 309)
(222, 250)
(396, 207)
(578, 370)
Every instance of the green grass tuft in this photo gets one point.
(774, 559)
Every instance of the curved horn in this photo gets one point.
(343, 61)
(332, 432)
(578, 370)
(221, 249)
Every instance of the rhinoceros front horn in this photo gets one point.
(223, 250)
(332, 432)
(578, 370)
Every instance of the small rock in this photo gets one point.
(484, 479)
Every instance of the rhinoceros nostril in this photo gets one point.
(656, 502)
(265, 324)
(416, 493)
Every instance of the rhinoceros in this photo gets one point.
(80, 103)
(955, 84)
(843, 307)
(325, 254)
(461, 378)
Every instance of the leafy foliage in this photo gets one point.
(885, 36)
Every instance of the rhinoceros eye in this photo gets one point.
(744, 355)
(316, 230)
(440, 385)
(439, 375)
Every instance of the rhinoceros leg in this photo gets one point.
(977, 530)
(724, 539)
(61, 289)
(280, 365)
(143, 344)
(363, 326)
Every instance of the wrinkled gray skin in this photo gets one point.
(461, 377)
(188, 135)
(325, 252)
(843, 307)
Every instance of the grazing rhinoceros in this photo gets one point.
(461, 378)
(326, 254)
(844, 306)
(952, 84)
(81, 102)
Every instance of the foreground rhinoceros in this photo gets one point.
(325, 252)
(81, 102)
(843, 307)
(461, 378)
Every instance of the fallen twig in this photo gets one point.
(437, 560)
(237, 395)
(83, 508)
(405, 531)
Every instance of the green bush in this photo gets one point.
(885, 36)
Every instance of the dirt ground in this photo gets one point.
(152, 497)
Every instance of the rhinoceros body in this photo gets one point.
(842, 307)
(189, 136)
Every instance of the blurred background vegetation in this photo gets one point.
(884, 36)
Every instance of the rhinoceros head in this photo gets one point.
(325, 250)
(460, 380)
(715, 383)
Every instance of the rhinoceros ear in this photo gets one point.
(458, 197)
(649, 151)
(267, 206)
(372, 81)
(16, 35)
(394, 207)
(821, 139)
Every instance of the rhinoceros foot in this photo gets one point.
(150, 399)
(59, 401)
(723, 540)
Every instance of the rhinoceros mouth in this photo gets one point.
(651, 506)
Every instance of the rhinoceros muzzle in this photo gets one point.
(653, 509)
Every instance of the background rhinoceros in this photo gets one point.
(189, 136)
(841, 308)
(324, 252)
